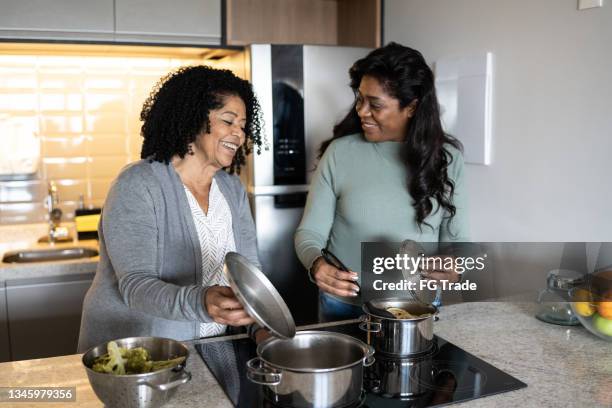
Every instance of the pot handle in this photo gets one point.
(368, 326)
(185, 377)
(369, 359)
(259, 374)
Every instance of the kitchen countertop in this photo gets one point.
(47, 269)
(20, 237)
(563, 366)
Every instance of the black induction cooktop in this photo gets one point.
(444, 376)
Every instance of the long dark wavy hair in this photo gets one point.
(404, 75)
(177, 111)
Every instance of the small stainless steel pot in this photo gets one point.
(400, 337)
(314, 369)
(139, 390)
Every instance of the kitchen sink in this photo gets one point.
(46, 255)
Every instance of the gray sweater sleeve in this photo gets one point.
(247, 229)
(131, 238)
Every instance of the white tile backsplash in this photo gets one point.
(87, 112)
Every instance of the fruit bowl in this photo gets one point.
(592, 304)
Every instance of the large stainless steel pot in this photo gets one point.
(139, 390)
(314, 369)
(400, 337)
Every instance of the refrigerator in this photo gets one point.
(303, 91)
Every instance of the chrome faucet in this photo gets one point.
(56, 233)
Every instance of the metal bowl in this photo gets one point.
(139, 390)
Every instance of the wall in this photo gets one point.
(552, 132)
(84, 106)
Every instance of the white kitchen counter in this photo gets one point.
(562, 366)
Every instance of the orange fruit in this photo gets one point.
(605, 306)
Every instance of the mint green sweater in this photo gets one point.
(359, 194)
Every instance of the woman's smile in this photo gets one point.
(230, 146)
(368, 125)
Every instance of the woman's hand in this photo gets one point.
(332, 280)
(262, 335)
(222, 305)
(440, 268)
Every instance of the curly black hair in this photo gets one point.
(178, 107)
(405, 75)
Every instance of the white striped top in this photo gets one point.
(216, 239)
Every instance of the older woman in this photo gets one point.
(389, 173)
(170, 218)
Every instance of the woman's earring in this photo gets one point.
(190, 150)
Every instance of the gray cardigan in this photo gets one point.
(149, 279)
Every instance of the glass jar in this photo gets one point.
(554, 305)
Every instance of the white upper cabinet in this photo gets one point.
(57, 19)
(139, 21)
(164, 21)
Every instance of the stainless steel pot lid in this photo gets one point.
(259, 297)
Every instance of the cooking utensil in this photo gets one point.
(314, 369)
(413, 250)
(370, 308)
(139, 390)
(400, 337)
(259, 297)
(333, 260)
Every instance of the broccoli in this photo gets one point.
(120, 360)
(138, 361)
(160, 365)
(112, 362)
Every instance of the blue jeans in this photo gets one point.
(331, 309)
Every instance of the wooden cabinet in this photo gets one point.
(327, 22)
(44, 315)
(5, 354)
(360, 23)
(162, 21)
(57, 19)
